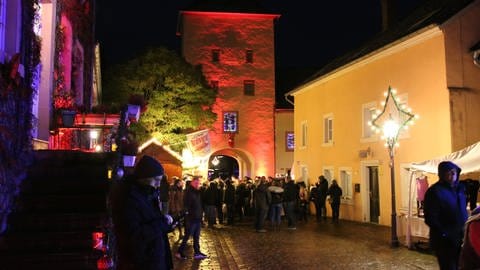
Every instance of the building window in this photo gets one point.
(304, 135)
(289, 141)
(215, 56)
(230, 122)
(328, 173)
(346, 183)
(214, 85)
(368, 110)
(249, 56)
(328, 129)
(10, 28)
(403, 103)
(249, 88)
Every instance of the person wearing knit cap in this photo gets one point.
(445, 214)
(140, 227)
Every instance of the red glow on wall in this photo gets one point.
(231, 36)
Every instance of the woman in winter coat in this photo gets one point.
(176, 203)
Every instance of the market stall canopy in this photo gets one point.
(468, 159)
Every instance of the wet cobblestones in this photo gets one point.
(348, 245)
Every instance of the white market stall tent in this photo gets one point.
(468, 159)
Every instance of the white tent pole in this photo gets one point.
(409, 213)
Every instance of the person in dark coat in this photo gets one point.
(335, 193)
(164, 196)
(140, 227)
(316, 202)
(210, 201)
(445, 213)
(261, 200)
(290, 199)
(322, 191)
(176, 203)
(220, 200)
(193, 220)
(230, 201)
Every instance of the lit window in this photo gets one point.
(328, 173)
(403, 103)
(346, 183)
(249, 88)
(230, 122)
(328, 129)
(304, 135)
(215, 56)
(368, 110)
(249, 56)
(289, 141)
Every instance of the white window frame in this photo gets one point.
(345, 182)
(304, 130)
(368, 134)
(327, 124)
(403, 101)
(329, 173)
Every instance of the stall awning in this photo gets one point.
(468, 159)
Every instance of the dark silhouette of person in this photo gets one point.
(445, 213)
(140, 227)
(335, 193)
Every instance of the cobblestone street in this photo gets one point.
(348, 245)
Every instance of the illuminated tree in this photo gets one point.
(178, 96)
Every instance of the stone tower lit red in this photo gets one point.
(233, 41)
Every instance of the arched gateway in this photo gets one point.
(230, 162)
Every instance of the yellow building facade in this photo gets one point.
(332, 111)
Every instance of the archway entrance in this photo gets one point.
(222, 166)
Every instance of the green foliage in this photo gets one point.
(178, 96)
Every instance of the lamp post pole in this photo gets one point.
(392, 119)
(394, 240)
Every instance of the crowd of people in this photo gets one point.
(228, 200)
(146, 207)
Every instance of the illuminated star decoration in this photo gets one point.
(392, 119)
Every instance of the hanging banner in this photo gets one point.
(199, 143)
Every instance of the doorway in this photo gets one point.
(222, 166)
(374, 193)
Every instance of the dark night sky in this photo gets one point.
(309, 33)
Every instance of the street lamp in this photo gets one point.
(391, 120)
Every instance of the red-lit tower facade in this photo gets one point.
(233, 41)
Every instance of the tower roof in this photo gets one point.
(231, 6)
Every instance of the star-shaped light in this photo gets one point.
(392, 119)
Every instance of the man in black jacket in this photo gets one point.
(140, 227)
(445, 214)
(192, 202)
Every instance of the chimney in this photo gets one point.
(388, 13)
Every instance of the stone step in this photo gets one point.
(51, 261)
(60, 158)
(64, 203)
(57, 242)
(51, 222)
(75, 171)
(64, 186)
